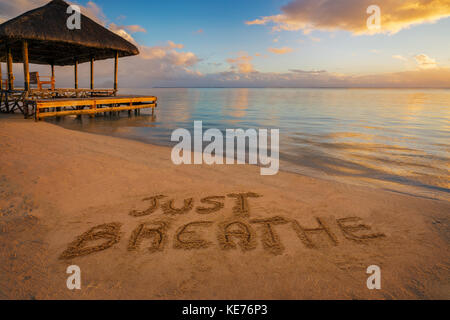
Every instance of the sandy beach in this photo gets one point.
(140, 227)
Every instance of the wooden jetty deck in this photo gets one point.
(45, 108)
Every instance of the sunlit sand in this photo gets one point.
(288, 237)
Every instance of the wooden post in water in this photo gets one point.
(92, 73)
(75, 71)
(10, 70)
(26, 67)
(116, 68)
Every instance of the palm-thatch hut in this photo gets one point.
(42, 36)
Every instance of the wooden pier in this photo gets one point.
(31, 39)
(45, 108)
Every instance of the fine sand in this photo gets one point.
(72, 198)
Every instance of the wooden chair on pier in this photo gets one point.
(4, 82)
(36, 80)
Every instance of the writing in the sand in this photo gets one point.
(238, 231)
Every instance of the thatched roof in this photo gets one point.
(50, 41)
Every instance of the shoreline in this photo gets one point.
(58, 184)
(429, 192)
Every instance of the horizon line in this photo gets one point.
(201, 87)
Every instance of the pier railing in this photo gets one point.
(45, 108)
(12, 100)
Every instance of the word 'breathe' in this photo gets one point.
(236, 232)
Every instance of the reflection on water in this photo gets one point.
(236, 105)
(394, 139)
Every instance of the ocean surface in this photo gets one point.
(395, 139)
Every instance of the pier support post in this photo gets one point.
(93, 107)
(10, 70)
(52, 66)
(75, 74)
(26, 75)
(116, 68)
(26, 67)
(92, 73)
(52, 69)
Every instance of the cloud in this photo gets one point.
(134, 28)
(93, 11)
(136, 72)
(350, 15)
(427, 78)
(242, 63)
(11, 9)
(167, 54)
(422, 60)
(425, 62)
(120, 30)
(199, 31)
(399, 57)
(313, 72)
(283, 50)
(124, 31)
(173, 45)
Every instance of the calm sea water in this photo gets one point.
(394, 139)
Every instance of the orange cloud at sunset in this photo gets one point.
(242, 63)
(425, 78)
(350, 15)
(169, 54)
(430, 78)
(135, 28)
(425, 62)
(283, 50)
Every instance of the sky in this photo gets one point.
(271, 43)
